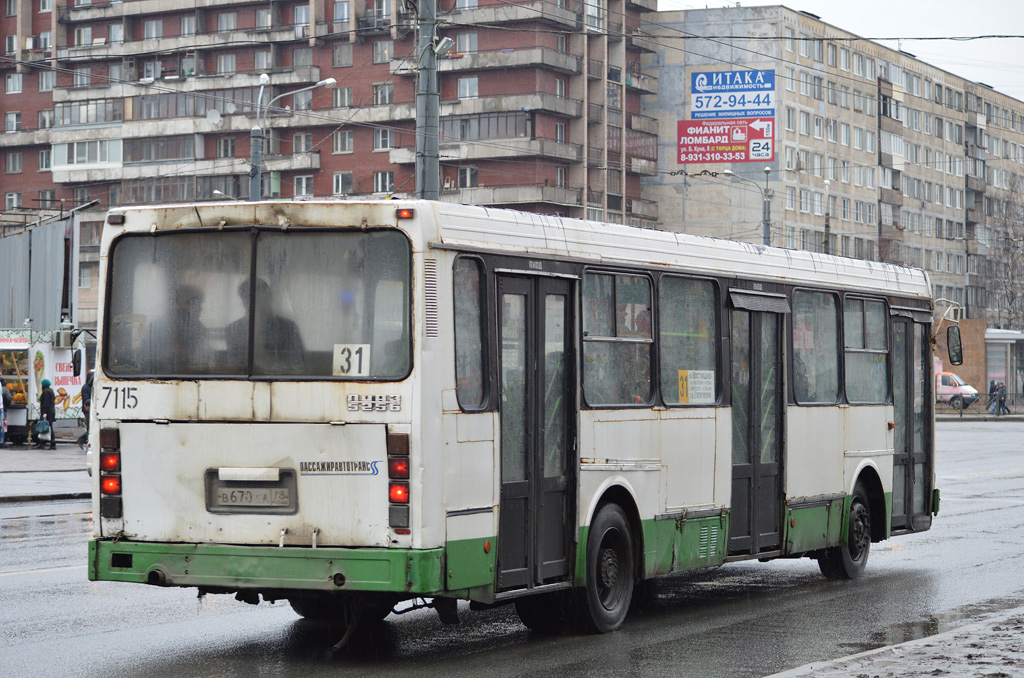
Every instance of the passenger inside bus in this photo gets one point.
(278, 345)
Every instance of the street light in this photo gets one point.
(766, 194)
(256, 133)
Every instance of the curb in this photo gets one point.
(44, 497)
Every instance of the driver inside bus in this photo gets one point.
(278, 346)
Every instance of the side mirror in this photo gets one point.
(954, 346)
(76, 362)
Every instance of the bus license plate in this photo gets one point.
(252, 496)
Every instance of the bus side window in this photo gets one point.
(470, 355)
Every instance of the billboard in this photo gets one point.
(733, 140)
(732, 94)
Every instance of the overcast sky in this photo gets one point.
(998, 62)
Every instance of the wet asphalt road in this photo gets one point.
(745, 619)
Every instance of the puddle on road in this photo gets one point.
(933, 625)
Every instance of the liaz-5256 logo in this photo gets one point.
(374, 403)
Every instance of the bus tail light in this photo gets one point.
(398, 492)
(110, 473)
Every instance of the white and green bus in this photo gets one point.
(348, 405)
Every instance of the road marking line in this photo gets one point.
(46, 569)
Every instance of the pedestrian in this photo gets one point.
(1001, 399)
(48, 411)
(991, 394)
(86, 409)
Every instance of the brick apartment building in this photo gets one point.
(552, 106)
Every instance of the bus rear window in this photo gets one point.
(297, 304)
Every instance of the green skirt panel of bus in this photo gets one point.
(414, 572)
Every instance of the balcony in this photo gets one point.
(26, 137)
(890, 196)
(373, 21)
(291, 162)
(116, 10)
(643, 123)
(537, 57)
(595, 156)
(976, 184)
(101, 49)
(595, 112)
(547, 11)
(515, 195)
(642, 40)
(642, 166)
(648, 84)
(648, 5)
(539, 101)
(642, 208)
(489, 149)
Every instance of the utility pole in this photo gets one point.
(828, 226)
(256, 147)
(428, 105)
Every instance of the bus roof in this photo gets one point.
(501, 230)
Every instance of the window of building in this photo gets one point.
(13, 164)
(465, 4)
(303, 185)
(383, 93)
(343, 141)
(225, 64)
(82, 77)
(468, 87)
(45, 40)
(560, 132)
(13, 83)
(561, 89)
(12, 121)
(12, 201)
(263, 18)
(303, 101)
(83, 36)
(226, 147)
(688, 331)
(45, 5)
(342, 97)
(81, 196)
(153, 28)
(815, 347)
(468, 177)
(383, 182)
(381, 139)
(302, 56)
(341, 12)
(44, 159)
(227, 21)
(115, 73)
(48, 199)
(343, 183)
(188, 25)
(465, 42)
(264, 60)
(382, 51)
(617, 339)
(561, 177)
(342, 55)
(302, 142)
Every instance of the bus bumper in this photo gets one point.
(408, 571)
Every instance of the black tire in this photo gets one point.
(610, 570)
(850, 561)
(957, 403)
(542, 613)
(333, 610)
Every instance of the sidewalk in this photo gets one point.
(27, 474)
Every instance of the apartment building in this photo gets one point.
(143, 101)
(905, 162)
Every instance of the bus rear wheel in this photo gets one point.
(611, 570)
(336, 609)
(850, 561)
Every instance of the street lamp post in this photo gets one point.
(766, 203)
(828, 227)
(256, 133)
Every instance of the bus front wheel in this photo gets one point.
(850, 561)
(610, 570)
